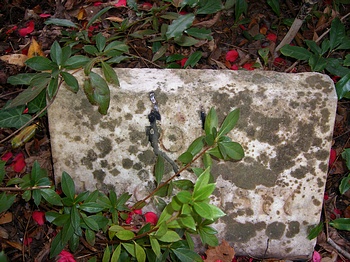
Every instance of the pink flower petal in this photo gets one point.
(316, 257)
(18, 163)
(147, 6)
(65, 256)
(232, 55)
(248, 66)
(234, 67)
(6, 156)
(39, 217)
(183, 61)
(27, 30)
(45, 15)
(332, 157)
(120, 3)
(151, 217)
(97, 3)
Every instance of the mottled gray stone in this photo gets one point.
(272, 198)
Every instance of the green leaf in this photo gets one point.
(211, 122)
(6, 201)
(343, 86)
(200, 33)
(91, 207)
(159, 169)
(52, 88)
(68, 186)
(233, 150)
(229, 122)
(184, 197)
(202, 180)
(116, 253)
(70, 81)
(92, 50)
(203, 209)
(315, 231)
(264, 53)
(56, 53)
(346, 156)
(91, 223)
(125, 235)
(183, 184)
(203, 193)
(101, 92)
(185, 40)
(110, 74)
(117, 46)
(21, 79)
(60, 22)
(57, 245)
(345, 43)
(51, 196)
(155, 246)
(207, 235)
(90, 236)
(130, 248)
(100, 42)
(334, 66)
(241, 7)
(210, 7)
(296, 52)
(13, 117)
(169, 237)
(67, 232)
(186, 255)
(38, 103)
(40, 63)
(344, 184)
(2, 170)
(98, 15)
(341, 223)
(217, 212)
(140, 253)
(188, 222)
(185, 158)
(76, 61)
(317, 63)
(160, 53)
(75, 219)
(347, 60)
(275, 5)
(314, 47)
(106, 255)
(179, 25)
(337, 33)
(193, 59)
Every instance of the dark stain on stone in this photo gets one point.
(293, 229)
(99, 175)
(138, 137)
(115, 172)
(322, 155)
(77, 138)
(140, 107)
(275, 230)
(89, 159)
(323, 167)
(105, 146)
(137, 166)
(239, 232)
(316, 202)
(318, 82)
(104, 163)
(133, 150)
(111, 124)
(128, 116)
(143, 175)
(299, 172)
(127, 163)
(147, 157)
(320, 182)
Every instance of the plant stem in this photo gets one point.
(17, 189)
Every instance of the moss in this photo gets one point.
(105, 146)
(293, 229)
(275, 230)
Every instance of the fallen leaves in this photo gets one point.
(14, 59)
(224, 252)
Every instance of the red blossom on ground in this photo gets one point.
(65, 256)
(337, 211)
(242, 27)
(183, 61)
(27, 241)
(27, 30)
(326, 196)
(6, 156)
(18, 163)
(91, 29)
(248, 66)
(272, 37)
(25, 111)
(45, 15)
(97, 3)
(39, 217)
(147, 6)
(234, 67)
(151, 217)
(335, 79)
(232, 55)
(130, 215)
(332, 157)
(11, 30)
(279, 62)
(120, 3)
(182, 12)
(316, 257)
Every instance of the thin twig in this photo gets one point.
(338, 248)
(18, 189)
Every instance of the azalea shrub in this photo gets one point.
(130, 233)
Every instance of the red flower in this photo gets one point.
(6, 156)
(39, 217)
(130, 215)
(316, 257)
(332, 157)
(44, 15)
(151, 217)
(183, 61)
(182, 12)
(248, 66)
(234, 67)
(97, 3)
(147, 6)
(18, 163)
(232, 55)
(335, 79)
(120, 3)
(272, 37)
(65, 256)
(27, 30)
(27, 241)
(279, 62)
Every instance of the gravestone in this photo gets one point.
(272, 198)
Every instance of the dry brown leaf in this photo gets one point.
(115, 19)
(3, 233)
(81, 14)
(223, 252)
(209, 23)
(35, 49)
(14, 59)
(6, 218)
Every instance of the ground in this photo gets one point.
(235, 44)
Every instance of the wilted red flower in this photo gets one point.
(151, 217)
(182, 12)
(39, 217)
(18, 163)
(130, 215)
(147, 6)
(183, 61)
(248, 66)
(45, 15)
(6, 156)
(65, 256)
(232, 55)
(27, 30)
(272, 37)
(326, 196)
(120, 3)
(335, 79)
(97, 3)
(11, 30)
(242, 27)
(279, 61)
(316, 257)
(234, 67)
(337, 211)
(27, 241)
(332, 157)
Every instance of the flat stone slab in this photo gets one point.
(272, 198)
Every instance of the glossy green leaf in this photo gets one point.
(90, 49)
(337, 33)
(13, 117)
(38, 103)
(183, 184)
(91, 223)
(68, 186)
(202, 180)
(76, 61)
(179, 25)
(6, 201)
(343, 86)
(110, 74)
(116, 253)
(40, 63)
(169, 237)
(106, 254)
(200, 33)
(207, 235)
(217, 212)
(70, 81)
(211, 122)
(334, 66)
(193, 59)
(203, 209)
(21, 79)
(188, 222)
(66, 53)
(296, 52)
(67, 232)
(101, 92)
(160, 53)
(185, 40)
(75, 218)
(233, 150)
(125, 235)
(317, 63)
(56, 53)
(184, 197)
(57, 245)
(155, 246)
(91, 207)
(204, 192)
(61, 219)
(118, 46)
(159, 169)
(51, 196)
(100, 42)
(229, 122)
(209, 7)
(52, 88)
(60, 22)
(345, 44)
(185, 158)
(314, 232)
(275, 5)
(186, 255)
(313, 47)
(241, 7)
(98, 15)
(130, 248)
(139, 253)
(90, 237)
(341, 223)
(346, 156)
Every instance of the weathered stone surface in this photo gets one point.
(272, 198)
